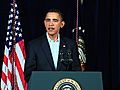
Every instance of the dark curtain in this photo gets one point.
(118, 34)
(99, 18)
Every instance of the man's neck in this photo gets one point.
(53, 37)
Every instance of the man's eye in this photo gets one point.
(55, 20)
(47, 20)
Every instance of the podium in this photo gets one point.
(61, 80)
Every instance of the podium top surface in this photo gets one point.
(46, 80)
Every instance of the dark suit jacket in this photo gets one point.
(39, 57)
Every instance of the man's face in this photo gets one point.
(53, 23)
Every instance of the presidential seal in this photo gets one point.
(66, 84)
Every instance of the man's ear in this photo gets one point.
(62, 24)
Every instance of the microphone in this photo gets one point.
(61, 56)
(62, 53)
(66, 58)
(69, 57)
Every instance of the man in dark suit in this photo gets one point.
(52, 52)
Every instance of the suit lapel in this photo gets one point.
(47, 51)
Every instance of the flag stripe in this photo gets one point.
(9, 76)
(19, 68)
(6, 52)
(5, 60)
(9, 65)
(20, 84)
(3, 85)
(5, 68)
(21, 45)
(20, 56)
(4, 78)
(9, 84)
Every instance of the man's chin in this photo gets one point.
(51, 34)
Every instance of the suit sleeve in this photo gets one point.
(30, 63)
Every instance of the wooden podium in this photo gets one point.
(61, 80)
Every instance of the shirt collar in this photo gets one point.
(49, 40)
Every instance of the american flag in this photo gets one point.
(14, 54)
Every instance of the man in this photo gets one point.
(52, 52)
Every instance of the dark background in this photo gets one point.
(100, 19)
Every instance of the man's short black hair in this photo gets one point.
(57, 11)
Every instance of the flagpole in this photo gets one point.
(79, 39)
(77, 15)
(14, 84)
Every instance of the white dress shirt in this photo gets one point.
(54, 47)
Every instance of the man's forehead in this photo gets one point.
(53, 15)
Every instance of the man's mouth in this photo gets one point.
(51, 28)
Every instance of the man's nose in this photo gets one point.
(51, 23)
